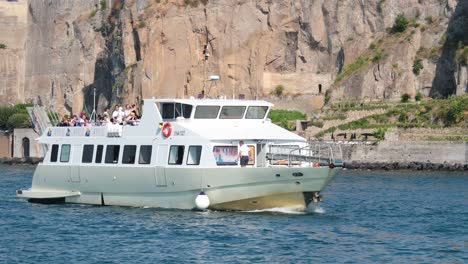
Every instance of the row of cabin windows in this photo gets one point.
(174, 110)
(176, 154)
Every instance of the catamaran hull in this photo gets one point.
(227, 189)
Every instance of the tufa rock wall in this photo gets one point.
(134, 49)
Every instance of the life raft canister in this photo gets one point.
(167, 129)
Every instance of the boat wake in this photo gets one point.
(316, 209)
(282, 210)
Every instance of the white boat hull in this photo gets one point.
(228, 189)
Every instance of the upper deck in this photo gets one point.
(213, 119)
(200, 109)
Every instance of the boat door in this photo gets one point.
(75, 162)
(261, 155)
(160, 169)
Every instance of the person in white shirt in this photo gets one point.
(115, 114)
(243, 154)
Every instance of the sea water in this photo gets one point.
(366, 217)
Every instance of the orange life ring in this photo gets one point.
(316, 164)
(167, 129)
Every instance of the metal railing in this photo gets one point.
(313, 155)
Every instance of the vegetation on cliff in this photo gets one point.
(283, 118)
(14, 117)
(441, 113)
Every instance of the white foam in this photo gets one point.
(283, 210)
(315, 208)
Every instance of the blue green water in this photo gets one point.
(366, 217)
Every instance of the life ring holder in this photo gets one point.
(167, 129)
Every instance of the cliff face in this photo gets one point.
(12, 56)
(130, 50)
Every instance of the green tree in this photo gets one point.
(379, 133)
(103, 4)
(18, 120)
(405, 98)
(401, 24)
(278, 91)
(418, 97)
(417, 66)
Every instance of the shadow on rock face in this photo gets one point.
(445, 82)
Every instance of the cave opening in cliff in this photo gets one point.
(320, 88)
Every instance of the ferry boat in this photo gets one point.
(183, 154)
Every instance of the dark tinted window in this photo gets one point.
(87, 154)
(54, 153)
(128, 156)
(65, 153)
(176, 155)
(183, 110)
(99, 154)
(112, 154)
(145, 154)
(168, 110)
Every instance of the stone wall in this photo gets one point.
(388, 152)
(5, 145)
(24, 141)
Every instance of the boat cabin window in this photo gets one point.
(54, 153)
(176, 155)
(65, 153)
(129, 153)
(87, 154)
(256, 112)
(206, 112)
(194, 155)
(174, 110)
(145, 154)
(225, 155)
(99, 150)
(112, 153)
(232, 112)
(251, 155)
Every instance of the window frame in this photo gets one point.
(83, 153)
(179, 160)
(150, 154)
(199, 155)
(226, 163)
(54, 153)
(243, 107)
(62, 153)
(256, 106)
(126, 150)
(201, 106)
(163, 110)
(99, 152)
(115, 154)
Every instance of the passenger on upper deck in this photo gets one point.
(131, 119)
(118, 114)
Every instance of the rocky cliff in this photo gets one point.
(59, 51)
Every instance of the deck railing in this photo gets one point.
(312, 155)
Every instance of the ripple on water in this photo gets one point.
(366, 217)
